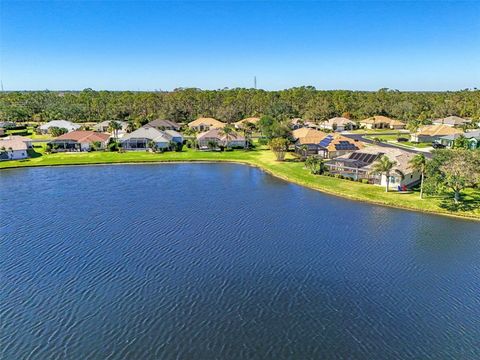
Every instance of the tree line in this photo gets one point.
(230, 105)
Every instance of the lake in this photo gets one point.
(222, 261)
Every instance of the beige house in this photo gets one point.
(453, 121)
(430, 133)
(359, 165)
(382, 122)
(252, 120)
(205, 124)
(215, 136)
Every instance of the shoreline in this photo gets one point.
(263, 168)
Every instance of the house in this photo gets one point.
(430, 133)
(453, 121)
(304, 132)
(80, 140)
(473, 139)
(7, 125)
(161, 124)
(251, 120)
(142, 138)
(26, 140)
(61, 124)
(173, 135)
(338, 124)
(359, 165)
(13, 149)
(215, 136)
(328, 146)
(205, 124)
(382, 122)
(104, 127)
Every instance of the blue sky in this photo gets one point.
(135, 45)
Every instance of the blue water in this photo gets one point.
(216, 261)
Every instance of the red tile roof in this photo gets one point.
(84, 136)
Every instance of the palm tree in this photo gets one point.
(419, 163)
(384, 166)
(228, 132)
(114, 126)
(247, 128)
(130, 127)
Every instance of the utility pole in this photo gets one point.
(255, 82)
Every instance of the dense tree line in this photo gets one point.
(183, 105)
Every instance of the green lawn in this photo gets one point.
(290, 170)
(393, 140)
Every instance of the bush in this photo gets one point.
(263, 141)
(364, 181)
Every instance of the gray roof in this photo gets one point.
(64, 124)
(469, 135)
(452, 120)
(164, 123)
(147, 132)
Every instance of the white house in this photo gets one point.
(61, 124)
(338, 124)
(141, 139)
(13, 149)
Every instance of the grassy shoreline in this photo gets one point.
(289, 170)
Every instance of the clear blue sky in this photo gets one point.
(135, 45)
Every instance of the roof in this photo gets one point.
(163, 123)
(216, 134)
(17, 137)
(452, 121)
(172, 134)
(207, 121)
(339, 121)
(401, 157)
(147, 132)
(13, 143)
(306, 132)
(438, 130)
(60, 124)
(337, 142)
(107, 123)
(381, 119)
(469, 135)
(84, 136)
(252, 120)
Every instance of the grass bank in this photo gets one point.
(289, 170)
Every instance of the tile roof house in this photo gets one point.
(61, 124)
(214, 135)
(25, 139)
(13, 148)
(454, 121)
(205, 124)
(338, 124)
(382, 122)
(314, 142)
(141, 138)
(162, 124)
(79, 140)
(430, 133)
(359, 165)
(252, 120)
